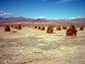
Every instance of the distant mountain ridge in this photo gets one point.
(41, 21)
(20, 19)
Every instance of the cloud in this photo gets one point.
(3, 13)
(41, 17)
(76, 17)
(64, 1)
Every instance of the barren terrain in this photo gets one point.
(32, 46)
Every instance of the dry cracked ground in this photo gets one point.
(32, 46)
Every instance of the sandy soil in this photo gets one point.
(32, 46)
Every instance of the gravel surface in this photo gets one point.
(32, 46)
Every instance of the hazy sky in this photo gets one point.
(42, 8)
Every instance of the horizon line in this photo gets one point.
(42, 17)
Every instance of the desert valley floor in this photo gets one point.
(32, 46)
